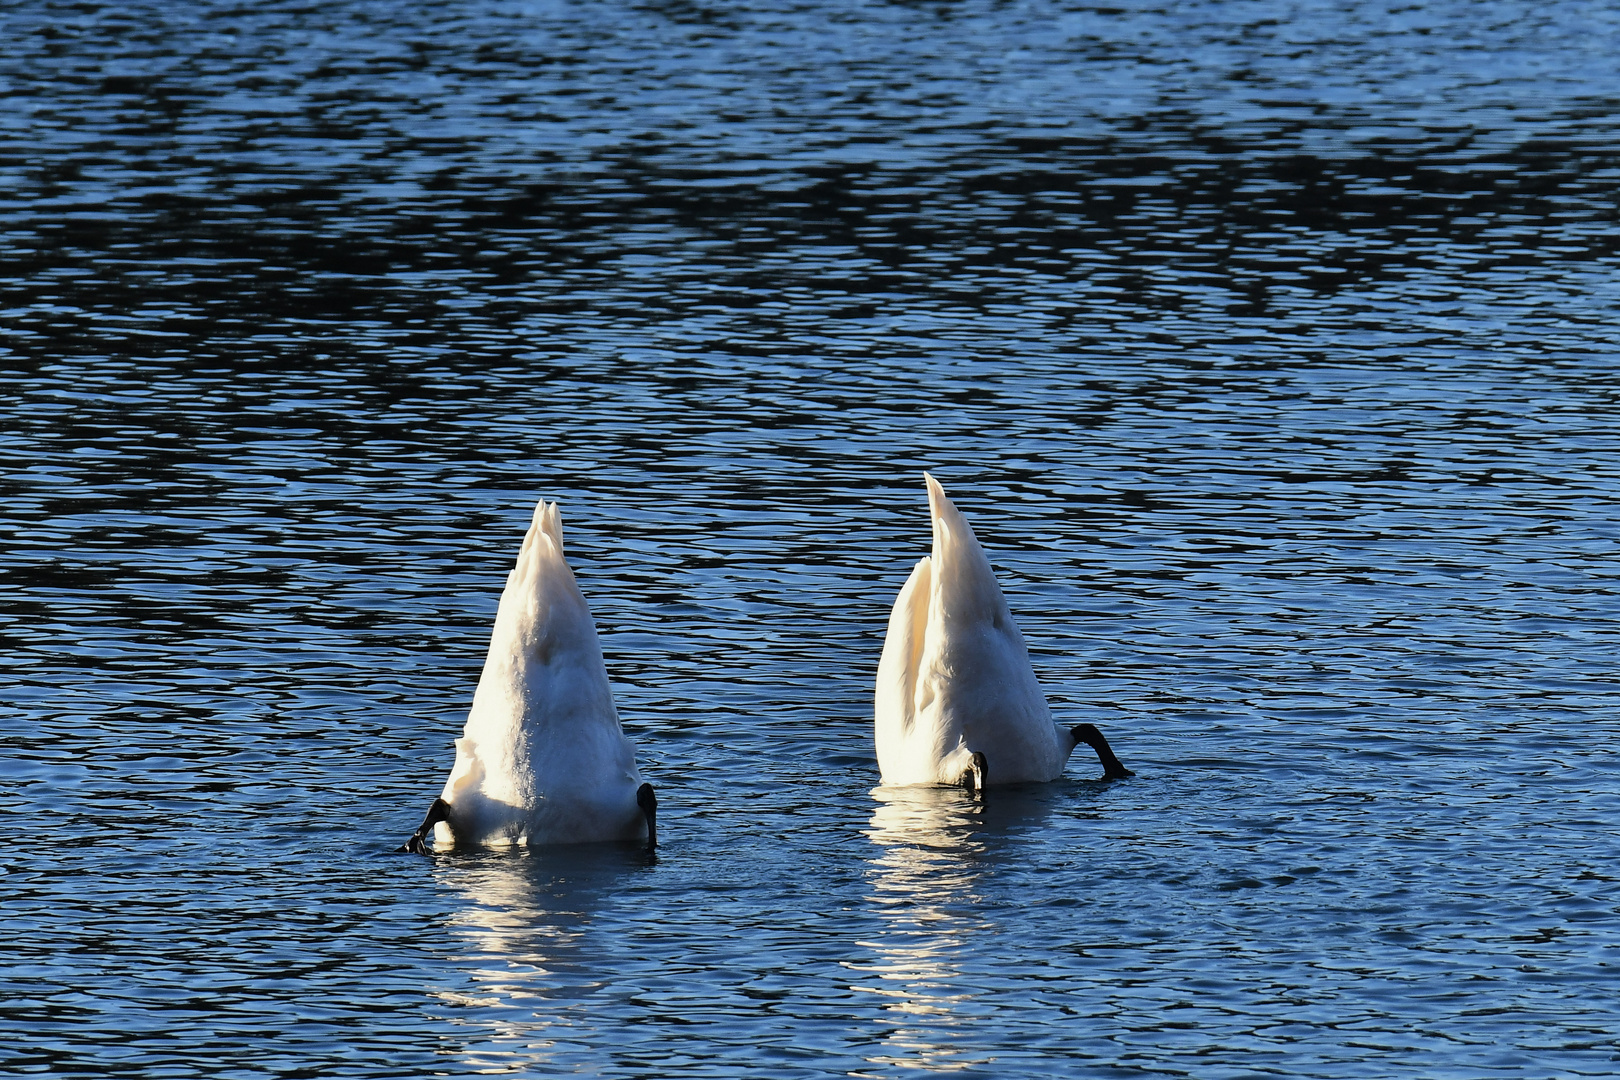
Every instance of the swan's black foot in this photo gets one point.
(975, 775)
(436, 813)
(648, 801)
(1088, 734)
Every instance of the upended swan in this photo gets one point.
(543, 759)
(957, 701)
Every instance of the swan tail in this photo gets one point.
(965, 587)
(544, 683)
(976, 666)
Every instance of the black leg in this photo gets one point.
(648, 801)
(439, 811)
(976, 774)
(1088, 734)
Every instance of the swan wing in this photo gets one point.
(895, 704)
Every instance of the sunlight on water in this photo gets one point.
(923, 886)
(529, 946)
(1268, 347)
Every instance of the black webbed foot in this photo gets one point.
(439, 811)
(1088, 734)
(648, 801)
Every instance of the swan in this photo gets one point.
(957, 701)
(543, 759)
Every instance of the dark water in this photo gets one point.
(1272, 348)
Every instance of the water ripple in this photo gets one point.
(1267, 346)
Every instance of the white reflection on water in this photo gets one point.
(937, 849)
(533, 951)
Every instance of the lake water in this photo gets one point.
(1271, 348)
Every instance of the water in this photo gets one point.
(1270, 347)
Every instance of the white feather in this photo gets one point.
(955, 676)
(543, 759)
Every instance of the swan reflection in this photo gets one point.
(529, 948)
(938, 849)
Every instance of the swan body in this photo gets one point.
(543, 758)
(957, 701)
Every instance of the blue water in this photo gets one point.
(1270, 347)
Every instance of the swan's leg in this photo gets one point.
(648, 801)
(1088, 734)
(973, 778)
(439, 811)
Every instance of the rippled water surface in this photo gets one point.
(1271, 347)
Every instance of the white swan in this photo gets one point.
(543, 759)
(957, 701)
